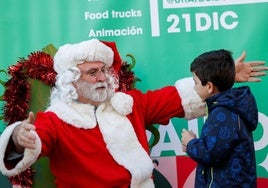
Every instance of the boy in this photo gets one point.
(224, 152)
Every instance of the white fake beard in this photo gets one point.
(89, 91)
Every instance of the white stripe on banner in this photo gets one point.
(201, 3)
(154, 18)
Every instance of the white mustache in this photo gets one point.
(97, 85)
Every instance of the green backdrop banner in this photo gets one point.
(164, 37)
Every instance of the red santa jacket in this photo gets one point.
(103, 147)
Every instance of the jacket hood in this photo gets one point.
(240, 101)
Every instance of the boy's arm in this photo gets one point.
(208, 149)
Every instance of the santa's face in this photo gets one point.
(92, 86)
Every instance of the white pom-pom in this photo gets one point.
(122, 103)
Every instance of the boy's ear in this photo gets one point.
(211, 87)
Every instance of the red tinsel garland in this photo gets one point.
(39, 65)
(126, 78)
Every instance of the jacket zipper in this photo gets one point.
(212, 177)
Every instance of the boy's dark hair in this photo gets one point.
(216, 66)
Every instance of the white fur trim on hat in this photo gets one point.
(191, 102)
(70, 55)
(29, 156)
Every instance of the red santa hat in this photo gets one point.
(117, 61)
(70, 55)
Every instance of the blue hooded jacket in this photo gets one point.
(225, 150)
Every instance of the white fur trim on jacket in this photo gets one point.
(191, 102)
(76, 114)
(29, 156)
(123, 144)
(83, 115)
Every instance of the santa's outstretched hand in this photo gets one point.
(249, 71)
(23, 136)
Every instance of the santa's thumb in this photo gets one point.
(242, 56)
(30, 118)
